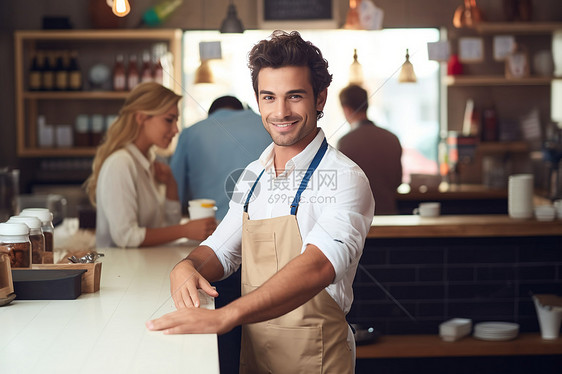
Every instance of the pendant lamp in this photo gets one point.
(352, 20)
(355, 71)
(204, 74)
(232, 24)
(407, 74)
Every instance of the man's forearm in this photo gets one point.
(295, 284)
(206, 262)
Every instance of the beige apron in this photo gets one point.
(310, 339)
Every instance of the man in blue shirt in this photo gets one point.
(211, 154)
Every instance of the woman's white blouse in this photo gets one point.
(129, 200)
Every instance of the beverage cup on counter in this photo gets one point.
(431, 209)
(520, 196)
(201, 208)
(550, 316)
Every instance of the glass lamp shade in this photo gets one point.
(355, 71)
(352, 20)
(232, 24)
(407, 74)
(204, 74)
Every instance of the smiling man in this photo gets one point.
(298, 232)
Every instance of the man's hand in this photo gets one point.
(185, 280)
(192, 321)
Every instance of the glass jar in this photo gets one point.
(46, 218)
(15, 236)
(36, 236)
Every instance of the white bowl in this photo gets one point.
(545, 212)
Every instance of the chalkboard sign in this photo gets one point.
(283, 10)
(297, 14)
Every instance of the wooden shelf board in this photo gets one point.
(497, 80)
(518, 27)
(503, 147)
(57, 152)
(96, 35)
(71, 95)
(397, 346)
(460, 226)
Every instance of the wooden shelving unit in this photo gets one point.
(513, 99)
(62, 107)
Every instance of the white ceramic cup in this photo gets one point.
(549, 321)
(201, 208)
(520, 196)
(431, 209)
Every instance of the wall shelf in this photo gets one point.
(58, 152)
(497, 80)
(75, 95)
(518, 27)
(503, 147)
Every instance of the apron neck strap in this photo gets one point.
(251, 192)
(311, 168)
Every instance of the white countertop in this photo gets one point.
(104, 332)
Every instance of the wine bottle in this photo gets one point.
(61, 72)
(146, 70)
(119, 80)
(132, 72)
(48, 77)
(34, 74)
(158, 72)
(74, 73)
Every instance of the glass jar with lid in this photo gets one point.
(36, 236)
(15, 237)
(46, 218)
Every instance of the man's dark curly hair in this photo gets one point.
(289, 49)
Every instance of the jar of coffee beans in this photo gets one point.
(15, 236)
(36, 236)
(46, 218)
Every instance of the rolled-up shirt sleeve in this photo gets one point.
(226, 241)
(342, 225)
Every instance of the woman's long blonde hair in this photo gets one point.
(148, 98)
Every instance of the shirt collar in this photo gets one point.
(139, 157)
(300, 161)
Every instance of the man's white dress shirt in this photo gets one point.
(334, 214)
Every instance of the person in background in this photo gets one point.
(376, 150)
(298, 232)
(135, 196)
(211, 153)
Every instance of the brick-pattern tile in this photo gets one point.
(485, 279)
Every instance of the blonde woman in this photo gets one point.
(127, 183)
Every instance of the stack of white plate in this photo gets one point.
(545, 212)
(496, 330)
